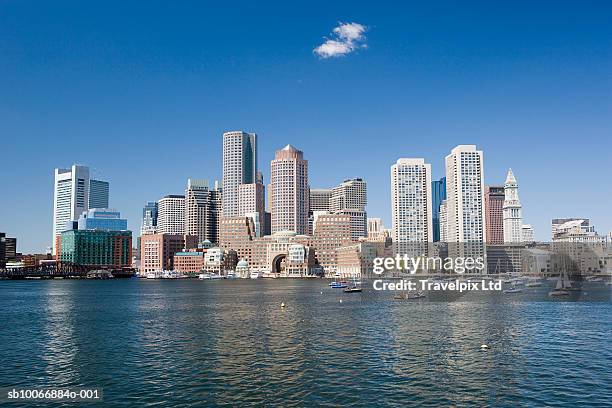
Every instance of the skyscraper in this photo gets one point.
(171, 216)
(251, 200)
(466, 221)
(73, 193)
(350, 198)
(411, 206)
(239, 167)
(98, 194)
(202, 210)
(443, 222)
(513, 213)
(438, 194)
(494, 213)
(289, 191)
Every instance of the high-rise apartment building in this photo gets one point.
(513, 212)
(466, 221)
(171, 215)
(289, 191)
(202, 210)
(494, 213)
(465, 195)
(411, 206)
(149, 218)
(527, 233)
(239, 167)
(73, 193)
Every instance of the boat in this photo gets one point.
(203, 276)
(563, 286)
(254, 275)
(172, 275)
(354, 287)
(417, 295)
(339, 285)
(207, 276)
(230, 275)
(593, 279)
(155, 274)
(513, 289)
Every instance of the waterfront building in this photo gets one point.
(238, 233)
(494, 213)
(411, 206)
(98, 247)
(149, 218)
(158, 250)
(356, 260)
(100, 237)
(220, 261)
(537, 261)
(171, 215)
(239, 167)
(578, 239)
(202, 210)
(189, 261)
(73, 191)
(527, 234)
(466, 221)
(504, 258)
(102, 218)
(438, 194)
(513, 213)
(251, 200)
(289, 191)
(331, 231)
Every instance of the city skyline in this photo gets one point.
(146, 113)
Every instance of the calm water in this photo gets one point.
(179, 343)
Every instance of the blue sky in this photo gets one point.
(142, 91)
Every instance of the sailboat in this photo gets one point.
(563, 286)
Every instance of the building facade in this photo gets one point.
(251, 200)
(102, 218)
(466, 221)
(149, 218)
(494, 213)
(513, 212)
(202, 210)
(438, 194)
(171, 215)
(157, 251)
(350, 198)
(73, 191)
(239, 167)
(289, 191)
(411, 206)
(97, 248)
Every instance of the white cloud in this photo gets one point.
(347, 37)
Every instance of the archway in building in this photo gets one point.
(278, 264)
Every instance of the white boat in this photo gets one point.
(203, 276)
(172, 275)
(563, 286)
(231, 275)
(254, 275)
(207, 276)
(155, 275)
(513, 289)
(593, 279)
